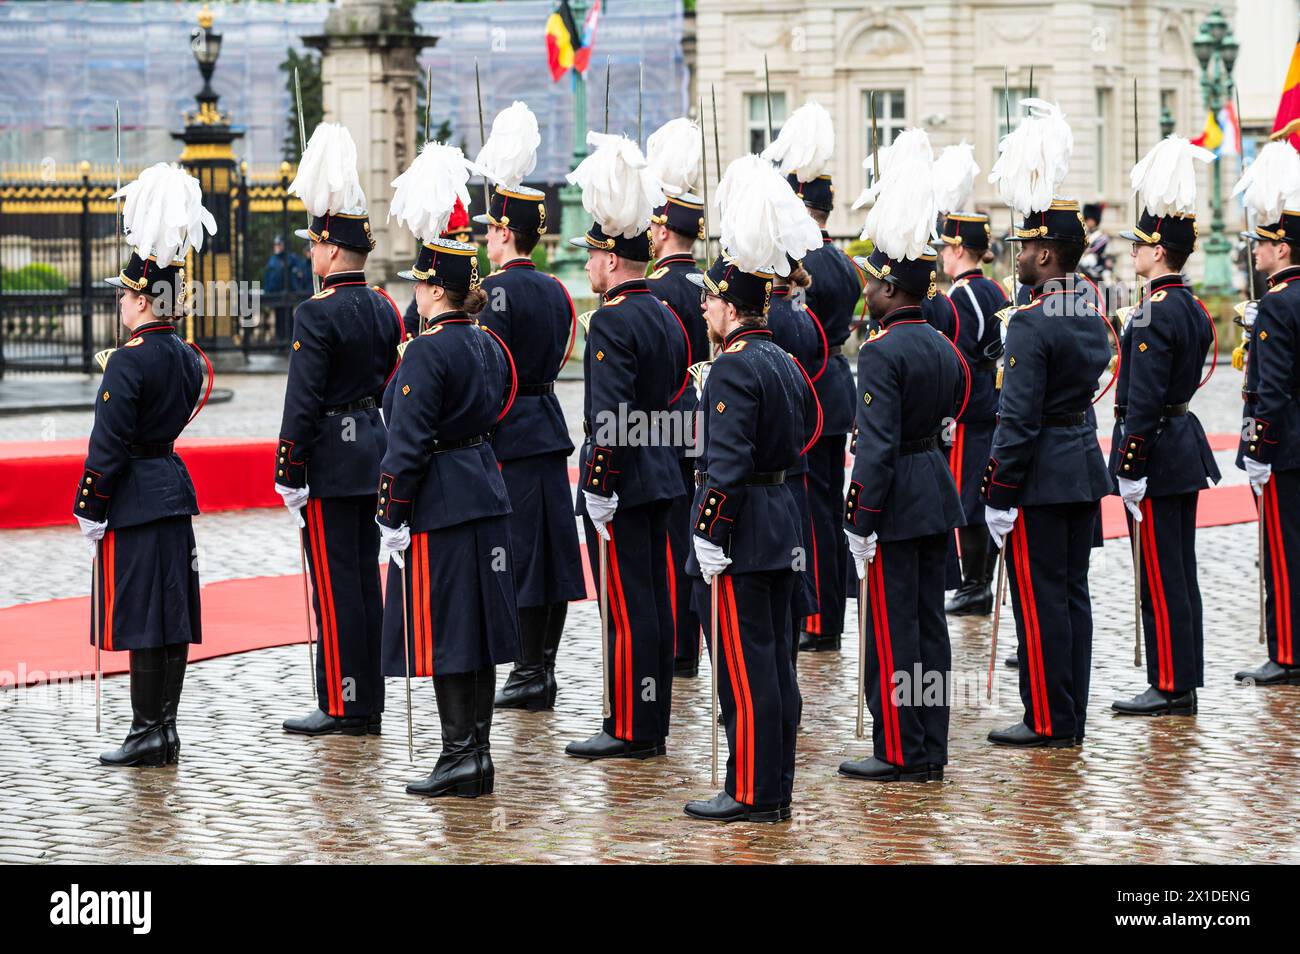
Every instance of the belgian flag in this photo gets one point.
(566, 45)
(1287, 123)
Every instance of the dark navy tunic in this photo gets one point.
(344, 349)
(832, 297)
(1162, 358)
(1272, 392)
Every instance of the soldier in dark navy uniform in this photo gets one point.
(978, 299)
(831, 297)
(760, 416)
(676, 226)
(1162, 460)
(901, 507)
(533, 314)
(1046, 475)
(1270, 450)
(634, 368)
(135, 501)
(443, 512)
(458, 230)
(332, 437)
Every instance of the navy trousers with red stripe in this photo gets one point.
(686, 622)
(1047, 555)
(757, 688)
(829, 551)
(641, 629)
(909, 657)
(342, 543)
(1171, 595)
(1281, 504)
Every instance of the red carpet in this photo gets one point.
(239, 615)
(230, 473)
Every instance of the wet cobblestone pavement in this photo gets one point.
(1220, 787)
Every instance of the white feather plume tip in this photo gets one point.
(954, 177)
(805, 143)
(510, 152)
(764, 224)
(902, 213)
(1271, 183)
(674, 154)
(425, 194)
(327, 173)
(163, 213)
(618, 188)
(1165, 179)
(1034, 158)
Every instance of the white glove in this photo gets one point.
(1248, 315)
(1000, 523)
(295, 498)
(393, 543)
(93, 532)
(711, 558)
(1132, 492)
(1258, 474)
(863, 550)
(601, 511)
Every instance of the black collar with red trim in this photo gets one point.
(902, 313)
(780, 291)
(1164, 281)
(826, 237)
(677, 258)
(518, 263)
(152, 326)
(970, 273)
(737, 333)
(356, 277)
(448, 317)
(627, 287)
(1287, 274)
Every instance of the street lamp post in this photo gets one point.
(569, 261)
(1216, 51)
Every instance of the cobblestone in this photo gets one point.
(1217, 788)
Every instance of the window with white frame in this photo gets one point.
(756, 119)
(1006, 102)
(891, 116)
(1101, 158)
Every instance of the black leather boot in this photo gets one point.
(815, 643)
(525, 687)
(876, 770)
(317, 722)
(723, 808)
(1270, 674)
(146, 743)
(484, 682)
(1021, 736)
(1157, 702)
(975, 595)
(554, 630)
(458, 770)
(176, 659)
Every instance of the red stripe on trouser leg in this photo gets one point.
(739, 677)
(885, 659)
(108, 592)
(621, 691)
(325, 598)
(425, 607)
(672, 587)
(1033, 634)
(1281, 575)
(813, 623)
(1159, 608)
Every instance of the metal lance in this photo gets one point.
(482, 134)
(406, 652)
(713, 672)
(1136, 522)
(997, 615)
(604, 625)
(95, 602)
(860, 731)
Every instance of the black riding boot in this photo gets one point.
(975, 595)
(146, 743)
(458, 771)
(525, 687)
(485, 680)
(175, 661)
(554, 630)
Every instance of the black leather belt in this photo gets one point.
(919, 446)
(769, 478)
(441, 446)
(1249, 395)
(1065, 420)
(586, 428)
(536, 390)
(363, 405)
(145, 451)
(1169, 410)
